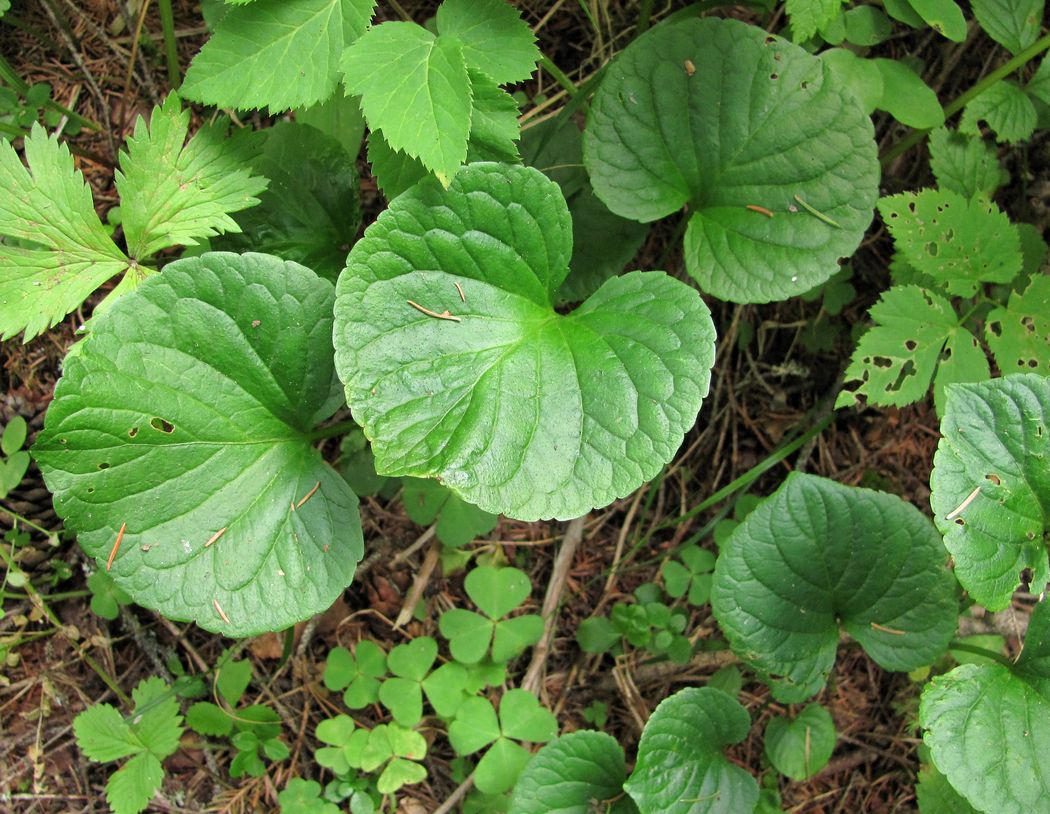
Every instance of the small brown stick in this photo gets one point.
(420, 541)
(462, 296)
(884, 629)
(215, 536)
(308, 495)
(970, 498)
(443, 315)
(291, 505)
(221, 612)
(415, 593)
(456, 796)
(760, 210)
(116, 546)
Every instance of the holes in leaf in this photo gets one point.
(907, 371)
(932, 248)
(881, 361)
(91, 490)
(133, 432)
(103, 465)
(161, 425)
(1030, 535)
(910, 344)
(994, 478)
(996, 327)
(949, 235)
(1028, 324)
(959, 521)
(1033, 363)
(774, 76)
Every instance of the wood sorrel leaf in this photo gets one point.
(991, 487)
(458, 367)
(678, 121)
(816, 555)
(183, 420)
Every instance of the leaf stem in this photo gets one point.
(52, 535)
(981, 651)
(10, 77)
(341, 428)
(953, 107)
(645, 11)
(559, 75)
(171, 51)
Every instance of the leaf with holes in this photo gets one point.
(917, 339)
(458, 367)
(861, 560)
(959, 243)
(182, 426)
(965, 164)
(991, 487)
(682, 768)
(720, 116)
(1006, 108)
(1019, 334)
(986, 726)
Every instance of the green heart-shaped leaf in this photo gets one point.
(991, 486)
(400, 772)
(816, 555)
(184, 420)
(446, 688)
(720, 116)
(987, 726)
(512, 636)
(801, 747)
(497, 591)
(499, 767)
(458, 367)
(681, 768)
(414, 659)
(523, 718)
(476, 726)
(404, 699)
(469, 634)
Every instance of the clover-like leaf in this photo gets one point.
(310, 213)
(358, 672)
(181, 428)
(681, 768)
(800, 747)
(403, 694)
(276, 53)
(446, 688)
(776, 160)
(861, 559)
(476, 726)
(457, 366)
(568, 774)
(692, 575)
(458, 522)
(987, 724)
(1019, 333)
(991, 486)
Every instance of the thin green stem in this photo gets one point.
(171, 51)
(342, 428)
(25, 522)
(559, 75)
(645, 11)
(953, 107)
(981, 651)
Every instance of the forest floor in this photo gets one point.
(61, 657)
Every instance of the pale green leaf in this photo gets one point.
(494, 120)
(681, 767)
(414, 88)
(943, 16)
(103, 735)
(499, 767)
(1014, 24)
(861, 560)
(799, 748)
(991, 487)
(1006, 108)
(1019, 334)
(935, 795)
(400, 772)
(13, 436)
(496, 41)
(677, 122)
(906, 97)
(174, 192)
(861, 76)
(962, 360)
(497, 591)
(519, 410)
(523, 718)
(987, 726)
(187, 412)
(131, 787)
(156, 719)
(960, 243)
(965, 164)
(809, 16)
(67, 253)
(566, 775)
(276, 53)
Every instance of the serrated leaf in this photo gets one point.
(187, 412)
(906, 97)
(175, 192)
(103, 735)
(962, 360)
(809, 16)
(517, 409)
(131, 787)
(787, 128)
(156, 719)
(896, 359)
(276, 53)
(420, 99)
(1014, 24)
(496, 41)
(958, 242)
(990, 487)
(209, 719)
(66, 252)
(1006, 108)
(986, 726)
(863, 560)
(311, 211)
(494, 127)
(943, 16)
(801, 747)
(1019, 334)
(681, 767)
(935, 795)
(965, 164)
(568, 774)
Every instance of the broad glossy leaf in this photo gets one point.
(311, 211)
(1019, 334)
(965, 164)
(566, 775)
(943, 16)
(1006, 108)
(186, 413)
(817, 555)
(991, 486)
(681, 767)
(516, 408)
(988, 726)
(496, 41)
(862, 76)
(63, 253)
(276, 53)
(906, 97)
(678, 121)
(1014, 24)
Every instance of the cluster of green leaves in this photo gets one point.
(648, 623)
